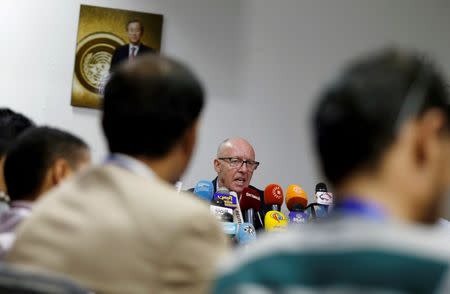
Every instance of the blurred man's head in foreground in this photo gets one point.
(382, 131)
(151, 108)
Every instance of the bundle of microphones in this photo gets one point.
(237, 214)
(225, 205)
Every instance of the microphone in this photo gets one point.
(250, 202)
(245, 234)
(221, 213)
(296, 202)
(322, 195)
(275, 221)
(273, 196)
(204, 190)
(296, 198)
(230, 200)
(324, 201)
(224, 215)
(237, 212)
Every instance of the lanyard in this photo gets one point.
(353, 206)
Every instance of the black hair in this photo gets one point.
(12, 124)
(357, 117)
(33, 153)
(149, 104)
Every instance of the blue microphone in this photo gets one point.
(204, 190)
(245, 234)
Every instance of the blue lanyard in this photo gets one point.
(354, 207)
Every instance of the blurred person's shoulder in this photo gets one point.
(346, 235)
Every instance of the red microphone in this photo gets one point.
(273, 196)
(250, 202)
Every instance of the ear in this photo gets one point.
(216, 165)
(429, 136)
(59, 171)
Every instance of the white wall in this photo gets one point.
(262, 61)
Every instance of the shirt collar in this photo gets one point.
(131, 164)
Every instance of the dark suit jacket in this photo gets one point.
(262, 211)
(122, 52)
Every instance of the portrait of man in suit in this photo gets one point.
(106, 37)
(135, 31)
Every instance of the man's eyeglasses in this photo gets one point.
(235, 162)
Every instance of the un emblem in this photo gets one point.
(93, 59)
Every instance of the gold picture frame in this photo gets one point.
(104, 35)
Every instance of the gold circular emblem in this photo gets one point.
(93, 59)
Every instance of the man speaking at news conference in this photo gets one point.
(235, 164)
(121, 227)
(382, 132)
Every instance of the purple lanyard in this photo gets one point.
(354, 207)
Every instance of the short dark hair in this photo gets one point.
(357, 117)
(11, 125)
(33, 153)
(133, 21)
(149, 104)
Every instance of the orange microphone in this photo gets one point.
(296, 198)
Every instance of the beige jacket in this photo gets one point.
(116, 232)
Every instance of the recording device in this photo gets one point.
(296, 202)
(250, 203)
(245, 234)
(204, 190)
(273, 196)
(275, 221)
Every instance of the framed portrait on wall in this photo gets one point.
(107, 37)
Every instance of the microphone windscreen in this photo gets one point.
(321, 187)
(246, 233)
(204, 190)
(296, 198)
(275, 221)
(273, 195)
(250, 199)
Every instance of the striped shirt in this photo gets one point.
(343, 255)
